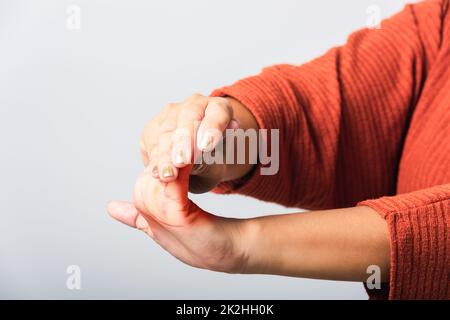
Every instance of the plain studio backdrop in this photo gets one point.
(78, 81)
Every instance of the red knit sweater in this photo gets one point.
(368, 123)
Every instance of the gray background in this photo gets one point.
(73, 104)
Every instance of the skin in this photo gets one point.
(334, 244)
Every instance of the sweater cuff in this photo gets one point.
(418, 224)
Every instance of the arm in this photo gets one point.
(343, 125)
(343, 116)
(335, 244)
(418, 225)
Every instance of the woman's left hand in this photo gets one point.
(335, 244)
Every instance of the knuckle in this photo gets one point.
(147, 132)
(220, 101)
(222, 109)
(152, 155)
(167, 125)
(191, 113)
(170, 106)
(195, 96)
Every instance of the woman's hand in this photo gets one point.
(161, 207)
(183, 130)
(334, 244)
(163, 211)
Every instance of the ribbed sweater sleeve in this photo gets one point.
(342, 117)
(419, 226)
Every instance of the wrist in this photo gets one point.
(248, 242)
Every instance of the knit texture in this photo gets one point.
(368, 119)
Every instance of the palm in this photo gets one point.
(165, 213)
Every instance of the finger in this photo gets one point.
(218, 115)
(175, 203)
(183, 142)
(166, 239)
(167, 203)
(163, 122)
(138, 193)
(124, 212)
(147, 197)
(152, 165)
(167, 171)
(178, 190)
(127, 213)
(148, 138)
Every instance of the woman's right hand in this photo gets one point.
(180, 131)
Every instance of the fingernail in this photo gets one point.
(167, 172)
(155, 171)
(179, 157)
(206, 142)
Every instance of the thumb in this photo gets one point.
(180, 187)
(166, 202)
(126, 213)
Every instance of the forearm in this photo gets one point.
(336, 113)
(334, 244)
